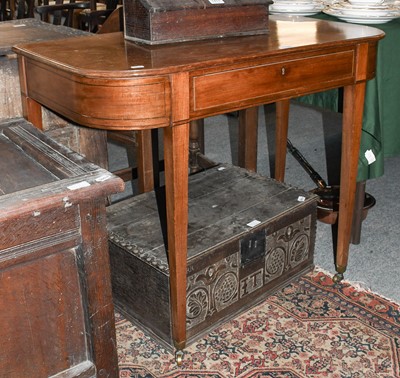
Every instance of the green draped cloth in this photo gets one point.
(381, 122)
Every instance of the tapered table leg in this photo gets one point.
(358, 213)
(248, 133)
(351, 135)
(281, 134)
(176, 167)
(176, 145)
(196, 144)
(144, 161)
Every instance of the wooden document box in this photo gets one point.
(248, 236)
(166, 21)
(56, 310)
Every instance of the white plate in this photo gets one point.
(342, 4)
(361, 19)
(366, 2)
(294, 12)
(281, 6)
(369, 21)
(296, 2)
(296, 7)
(365, 11)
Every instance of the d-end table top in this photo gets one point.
(112, 55)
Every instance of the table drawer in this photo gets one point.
(291, 77)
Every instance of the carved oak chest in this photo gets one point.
(248, 235)
(56, 310)
(166, 21)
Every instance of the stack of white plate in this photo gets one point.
(296, 7)
(364, 11)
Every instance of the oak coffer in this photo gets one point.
(56, 309)
(167, 21)
(248, 235)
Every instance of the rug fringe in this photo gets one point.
(359, 285)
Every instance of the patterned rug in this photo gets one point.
(311, 328)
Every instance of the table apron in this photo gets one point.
(112, 104)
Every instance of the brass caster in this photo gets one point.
(179, 357)
(338, 277)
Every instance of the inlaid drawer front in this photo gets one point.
(293, 77)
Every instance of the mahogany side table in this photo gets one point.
(108, 83)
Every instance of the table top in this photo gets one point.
(111, 55)
(31, 30)
(257, 69)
